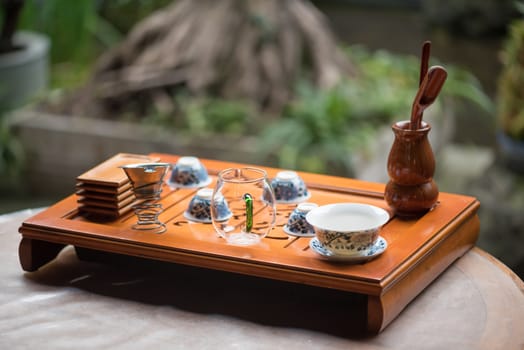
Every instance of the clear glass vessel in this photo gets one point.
(251, 202)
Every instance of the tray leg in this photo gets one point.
(34, 254)
(383, 309)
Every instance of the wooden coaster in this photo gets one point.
(104, 189)
(102, 196)
(106, 204)
(106, 211)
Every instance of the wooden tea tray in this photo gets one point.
(418, 250)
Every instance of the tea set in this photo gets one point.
(243, 204)
(243, 207)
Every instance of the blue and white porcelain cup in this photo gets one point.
(189, 172)
(199, 208)
(289, 187)
(347, 228)
(297, 224)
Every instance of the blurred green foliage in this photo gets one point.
(317, 131)
(66, 23)
(510, 101)
(204, 115)
(11, 156)
(320, 129)
(124, 14)
(80, 30)
(215, 115)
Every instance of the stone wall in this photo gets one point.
(59, 148)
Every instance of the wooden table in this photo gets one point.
(418, 250)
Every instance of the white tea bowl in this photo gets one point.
(347, 228)
(289, 187)
(199, 208)
(297, 224)
(189, 172)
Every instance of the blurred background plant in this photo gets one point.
(206, 115)
(321, 130)
(321, 125)
(11, 152)
(81, 30)
(510, 97)
(316, 130)
(68, 25)
(11, 159)
(511, 81)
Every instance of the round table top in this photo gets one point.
(477, 303)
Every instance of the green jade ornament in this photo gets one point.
(248, 200)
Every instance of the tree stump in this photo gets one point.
(252, 50)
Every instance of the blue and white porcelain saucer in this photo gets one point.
(298, 233)
(358, 257)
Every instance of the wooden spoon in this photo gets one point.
(424, 60)
(427, 94)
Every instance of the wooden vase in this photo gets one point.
(411, 191)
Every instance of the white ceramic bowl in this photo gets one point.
(289, 187)
(347, 228)
(189, 172)
(297, 224)
(199, 208)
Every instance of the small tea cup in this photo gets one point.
(289, 187)
(189, 172)
(297, 224)
(347, 228)
(199, 208)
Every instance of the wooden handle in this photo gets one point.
(424, 61)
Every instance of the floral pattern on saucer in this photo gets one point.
(300, 232)
(362, 256)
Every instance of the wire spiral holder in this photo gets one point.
(147, 180)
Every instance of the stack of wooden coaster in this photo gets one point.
(105, 190)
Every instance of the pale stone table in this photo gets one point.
(476, 304)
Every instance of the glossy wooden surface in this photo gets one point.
(418, 250)
(411, 190)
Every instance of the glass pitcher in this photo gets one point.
(251, 202)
